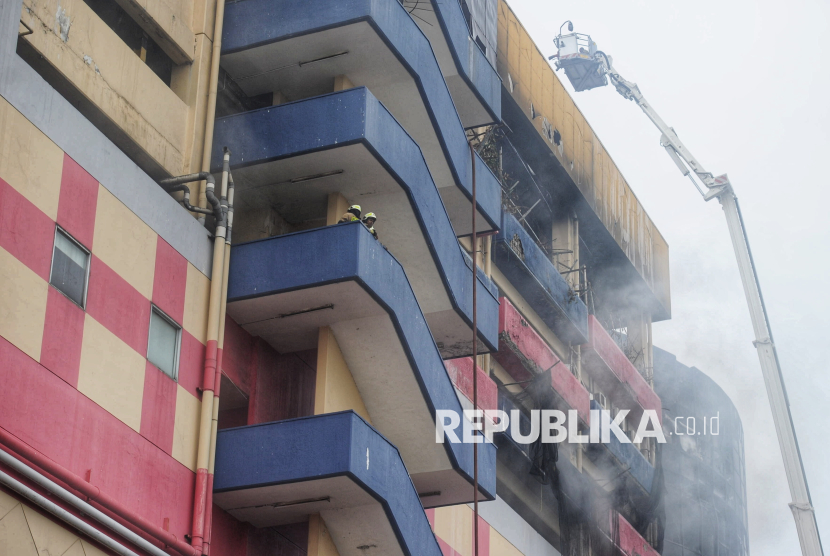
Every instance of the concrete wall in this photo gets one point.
(531, 81)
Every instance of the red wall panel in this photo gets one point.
(117, 305)
(169, 281)
(158, 408)
(25, 231)
(78, 201)
(63, 334)
(74, 431)
(191, 363)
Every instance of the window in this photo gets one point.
(163, 345)
(70, 268)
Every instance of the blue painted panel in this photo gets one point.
(629, 457)
(536, 278)
(330, 445)
(349, 252)
(256, 22)
(474, 66)
(356, 116)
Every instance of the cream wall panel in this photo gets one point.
(108, 73)
(15, 538)
(454, 525)
(112, 373)
(196, 304)
(92, 550)
(186, 428)
(29, 161)
(166, 21)
(76, 549)
(124, 242)
(22, 305)
(335, 388)
(7, 503)
(500, 547)
(50, 538)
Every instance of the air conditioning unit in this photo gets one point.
(601, 400)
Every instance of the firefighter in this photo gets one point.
(351, 215)
(369, 222)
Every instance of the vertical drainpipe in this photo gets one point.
(218, 380)
(210, 110)
(209, 379)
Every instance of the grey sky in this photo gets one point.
(745, 85)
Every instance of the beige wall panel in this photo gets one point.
(7, 503)
(167, 22)
(112, 373)
(511, 293)
(454, 525)
(186, 428)
(50, 538)
(191, 83)
(204, 17)
(92, 550)
(196, 301)
(499, 546)
(76, 549)
(335, 388)
(15, 538)
(108, 73)
(320, 542)
(22, 305)
(124, 242)
(582, 154)
(29, 161)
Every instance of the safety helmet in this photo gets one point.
(370, 215)
(354, 209)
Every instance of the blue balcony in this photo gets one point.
(335, 465)
(284, 288)
(624, 457)
(349, 143)
(535, 277)
(297, 49)
(473, 81)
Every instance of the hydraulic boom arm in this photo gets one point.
(720, 188)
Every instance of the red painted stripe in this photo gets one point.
(25, 231)
(78, 201)
(631, 542)
(117, 305)
(522, 353)
(72, 430)
(169, 281)
(431, 517)
(446, 549)
(63, 334)
(191, 363)
(208, 516)
(199, 501)
(237, 355)
(483, 537)
(158, 408)
(461, 374)
(229, 536)
(210, 365)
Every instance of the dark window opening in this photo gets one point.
(233, 405)
(70, 268)
(134, 37)
(231, 99)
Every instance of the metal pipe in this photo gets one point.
(91, 492)
(475, 354)
(177, 184)
(218, 380)
(66, 516)
(200, 508)
(210, 109)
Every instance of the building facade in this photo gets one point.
(704, 464)
(216, 365)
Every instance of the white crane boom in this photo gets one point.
(587, 68)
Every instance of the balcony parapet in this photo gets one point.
(336, 465)
(284, 288)
(615, 374)
(360, 150)
(280, 45)
(524, 354)
(535, 277)
(630, 541)
(626, 457)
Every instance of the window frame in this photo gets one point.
(87, 252)
(154, 309)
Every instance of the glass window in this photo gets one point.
(163, 346)
(70, 265)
